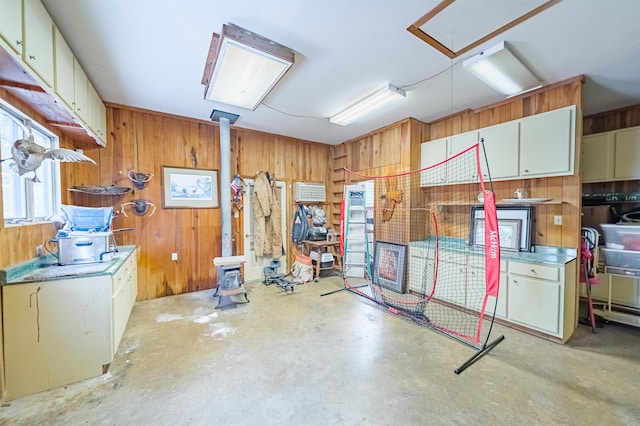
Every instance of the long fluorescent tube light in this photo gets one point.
(243, 67)
(383, 97)
(500, 69)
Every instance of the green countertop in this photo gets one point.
(46, 269)
(546, 255)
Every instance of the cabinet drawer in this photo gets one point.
(544, 272)
(452, 257)
(419, 252)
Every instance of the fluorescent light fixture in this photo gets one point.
(500, 69)
(383, 97)
(242, 67)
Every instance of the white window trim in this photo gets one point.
(56, 184)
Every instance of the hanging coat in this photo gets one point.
(262, 204)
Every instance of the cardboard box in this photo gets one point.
(594, 216)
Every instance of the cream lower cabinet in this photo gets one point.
(55, 333)
(542, 297)
(63, 331)
(476, 280)
(419, 270)
(451, 285)
(124, 290)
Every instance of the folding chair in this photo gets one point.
(589, 239)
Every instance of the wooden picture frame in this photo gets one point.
(389, 266)
(523, 213)
(188, 188)
(508, 230)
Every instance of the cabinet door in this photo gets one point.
(534, 303)
(420, 278)
(432, 153)
(501, 306)
(627, 154)
(547, 143)
(133, 279)
(451, 283)
(457, 172)
(11, 24)
(597, 157)
(98, 115)
(64, 83)
(502, 145)
(55, 333)
(81, 92)
(121, 310)
(38, 40)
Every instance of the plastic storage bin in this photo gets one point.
(621, 237)
(621, 258)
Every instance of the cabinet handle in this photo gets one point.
(32, 57)
(534, 272)
(526, 171)
(19, 42)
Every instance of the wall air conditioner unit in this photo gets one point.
(309, 192)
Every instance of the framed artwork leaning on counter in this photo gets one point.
(523, 214)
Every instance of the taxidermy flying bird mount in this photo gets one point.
(393, 196)
(28, 156)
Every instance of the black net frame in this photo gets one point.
(410, 244)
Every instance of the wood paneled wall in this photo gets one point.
(145, 141)
(612, 120)
(390, 150)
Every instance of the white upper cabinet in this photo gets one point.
(431, 153)
(98, 116)
(11, 24)
(458, 172)
(597, 157)
(547, 143)
(38, 40)
(541, 145)
(81, 92)
(64, 82)
(611, 156)
(501, 143)
(627, 154)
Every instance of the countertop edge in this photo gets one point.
(9, 277)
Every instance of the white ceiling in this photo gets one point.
(151, 54)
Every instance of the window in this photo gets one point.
(24, 200)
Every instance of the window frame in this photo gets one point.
(54, 177)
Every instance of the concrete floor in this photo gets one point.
(302, 359)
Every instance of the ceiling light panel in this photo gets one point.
(501, 69)
(245, 67)
(377, 100)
